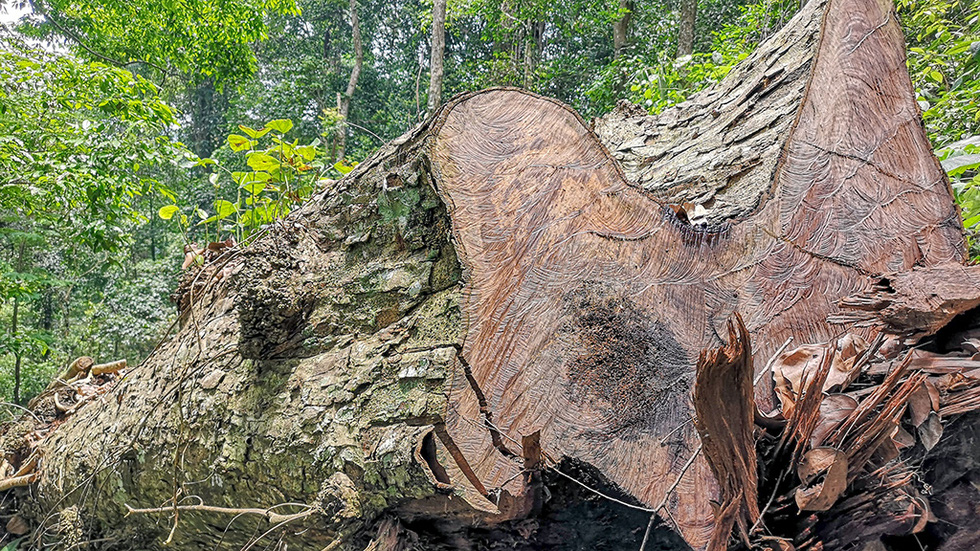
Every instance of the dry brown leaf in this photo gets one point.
(17, 526)
(845, 368)
(885, 452)
(924, 516)
(930, 431)
(824, 475)
(972, 345)
(933, 394)
(789, 370)
(833, 409)
(903, 439)
(891, 347)
(920, 405)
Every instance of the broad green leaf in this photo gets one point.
(961, 163)
(254, 188)
(307, 152)
(252, 133)
(344, 168)
(262, 162)
(239, 143)
(168, 211)
(224, 208)
(280, 125)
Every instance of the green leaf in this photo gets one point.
(280, 125)
(972, 221)
(960, 164)
(13, 546)
(224, 208)
(254, 188)
(252, 133)
(239, 143)
(936, 76)
(262, 162)
(168, 211)
(344, 168)
(307, 152)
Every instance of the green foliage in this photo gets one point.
(961, 160)
(76, 140)
(944, 61)
(81, 147)
(283, 176)
(668, 81)
(133, 313)
(13, 545)
(205, 38)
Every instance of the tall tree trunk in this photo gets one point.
(533, 46)
(436, 59)
(685, 33)
(622, 27)
(355, 74)
(503, 299)
(17, 354)
(207, 112)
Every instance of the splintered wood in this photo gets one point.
(724, 416)
(588, 301)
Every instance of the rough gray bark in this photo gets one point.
(343, 101)
(685, 32)
(622, 26)
(436, 58)
(361, 359)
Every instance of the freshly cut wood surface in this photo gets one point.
(587, 300)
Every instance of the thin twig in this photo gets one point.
(267, 513)
(29, 412)
(772, 360)
(602, 495)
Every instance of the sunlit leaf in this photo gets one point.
(280, 125)
(168, 211)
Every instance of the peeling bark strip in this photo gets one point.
(724, 408)
(493, 275)
(918, 302)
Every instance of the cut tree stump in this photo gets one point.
(504, 293)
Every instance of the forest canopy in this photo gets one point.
(133, 134)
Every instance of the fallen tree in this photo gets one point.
(749, 315)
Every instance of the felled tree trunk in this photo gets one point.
(504, 294)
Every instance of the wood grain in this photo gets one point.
(587, 301)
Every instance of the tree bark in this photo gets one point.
(17, 354)
(343, 102)
(622, 27)
(438, 50)
(685, 33)
(503, 299)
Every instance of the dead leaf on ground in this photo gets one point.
(833, 409)
(789, 370)
(17, 526)
(920, 405)
(903, 439)
(823, 472)
(845, 368)
(930, 431)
